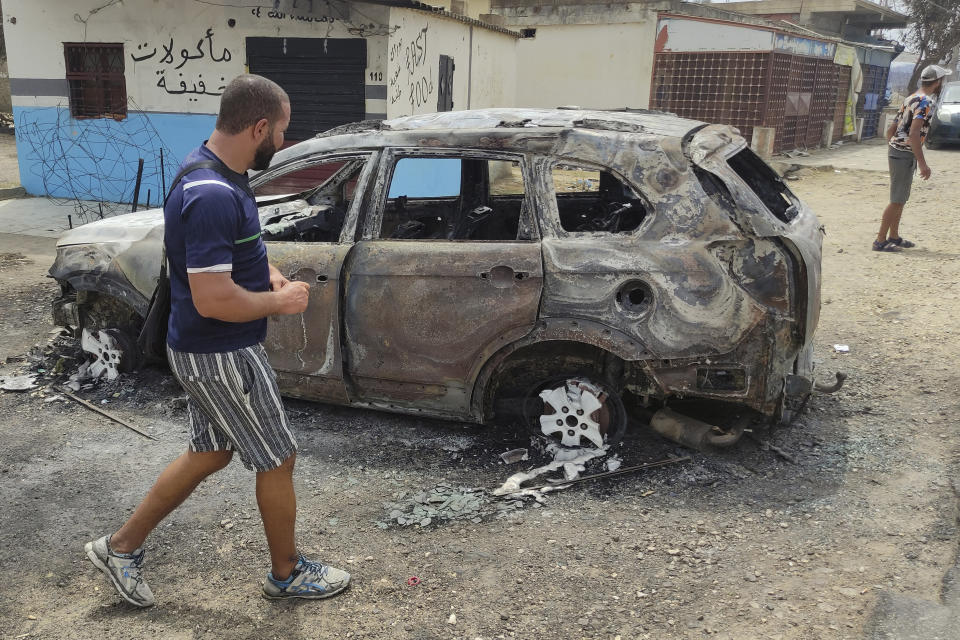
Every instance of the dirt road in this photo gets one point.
(745, 544)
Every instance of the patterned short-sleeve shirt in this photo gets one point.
(919, 106)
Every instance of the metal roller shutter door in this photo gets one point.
(324, 78)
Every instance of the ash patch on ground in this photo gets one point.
(13, 260)
(443, 504)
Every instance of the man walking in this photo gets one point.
(905, 154)
(222, 290)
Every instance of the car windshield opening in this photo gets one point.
(317, 208)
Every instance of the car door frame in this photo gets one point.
(440, 398)
(529, 230)
(320, 264)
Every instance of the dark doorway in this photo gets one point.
(445, 86)
(324, 78)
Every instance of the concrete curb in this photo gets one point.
(12, 192)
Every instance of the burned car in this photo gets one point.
(573, 265)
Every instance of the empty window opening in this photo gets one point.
(97, 88)
(471, 199)
(594, 200)
(308, 204)
(765, 183)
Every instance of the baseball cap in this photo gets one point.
(934, 72)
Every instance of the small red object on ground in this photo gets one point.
(413, 581)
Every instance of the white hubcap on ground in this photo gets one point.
(575, 406)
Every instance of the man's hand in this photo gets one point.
(293, 297)
(924, 171)
(216, 295)
(277, 281)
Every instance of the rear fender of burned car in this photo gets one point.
(798, 230)
(117, 257)
(719, 306)
(787, 245)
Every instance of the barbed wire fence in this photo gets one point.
(89, 166)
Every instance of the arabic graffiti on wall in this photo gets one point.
(258, 12)
(417, 86)
(170, 61)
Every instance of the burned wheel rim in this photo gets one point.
(576, 411)
(113, 352)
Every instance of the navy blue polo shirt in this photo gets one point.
(211, 225)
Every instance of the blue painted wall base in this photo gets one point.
(96, 158)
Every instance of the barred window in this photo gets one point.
(95, 76)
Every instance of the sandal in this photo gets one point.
(886, 245)
(900, 242)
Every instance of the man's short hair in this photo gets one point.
(248, 99)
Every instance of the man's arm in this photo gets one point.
(916, 145)
(216, 295)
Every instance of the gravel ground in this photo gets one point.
(741, 544)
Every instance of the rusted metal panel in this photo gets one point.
(308, 344)
(709, 148)
(696, 309)
(420, 315)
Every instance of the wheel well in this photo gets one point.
(99, 310)
(530, 364)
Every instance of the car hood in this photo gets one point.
(127, 229)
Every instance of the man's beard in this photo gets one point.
(264, 153)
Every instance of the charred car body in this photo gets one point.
(464, 259)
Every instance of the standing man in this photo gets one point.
(906, 135)
(222, 289)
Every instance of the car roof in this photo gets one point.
(653, 122)
(466, 128)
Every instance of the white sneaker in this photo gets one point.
(124, 570)
(310, 580)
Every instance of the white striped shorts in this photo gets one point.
(235, 405)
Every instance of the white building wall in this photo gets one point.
(601, 66)
(417, 41)
(684, 34)
(471, 8)
(179, 54)
(173, 41)
(493, 70)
